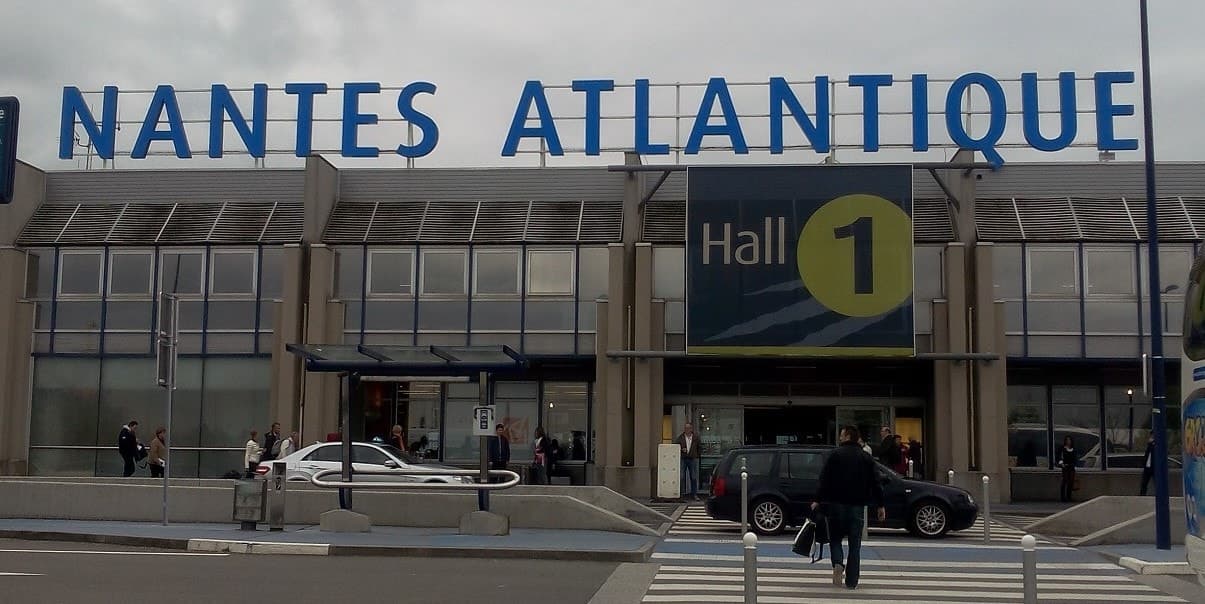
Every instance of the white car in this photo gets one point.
(303, 464)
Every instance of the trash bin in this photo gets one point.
(250, 499)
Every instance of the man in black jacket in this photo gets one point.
(499, 451)
(272, 441)
(1148, 465)
(849, 483)
(127, 447)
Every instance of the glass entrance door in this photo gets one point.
(868, 420)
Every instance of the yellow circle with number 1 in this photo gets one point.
(855, 255)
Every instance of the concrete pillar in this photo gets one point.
(991, 383)
(321, 193)
(605, 449)
(614, 390)
(644, 402)
(951, 391)
(287, 369)
(323, 325)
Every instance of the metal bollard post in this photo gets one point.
(987, 510)
(750, 568)
(911, 474)
(1029, 568)
(950, 480)
(744, 496)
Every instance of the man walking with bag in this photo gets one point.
(848, 484)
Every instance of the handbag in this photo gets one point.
(811, 538)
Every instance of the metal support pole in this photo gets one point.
(744, 496)
(353, 394)
(750, 568)
(168, 344)
(1029, 568)
(167, 452)
(987, 510)
(483, 496)
(1158, 375)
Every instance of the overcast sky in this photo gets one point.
(479, 54)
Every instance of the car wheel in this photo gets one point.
(767, 517)
(930, 519)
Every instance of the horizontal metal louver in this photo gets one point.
(348, 222)
(287, 224)
(553, 221)
(448, 221)
(500, 221)
(1103, 219)
(602, 222)
(996, 220)
(1196, 213)
(395, 221)
(46, 224)
(664, 221)
(1050, 218)
(191, 223)
(90, 225)
(1173, 220)
(140, 223)
(241, 222)
(931, 220)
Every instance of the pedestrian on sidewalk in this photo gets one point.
(397, 437)
(849, 483)
(542, 463)
(290, 445)
(499, 451)
(251, 454)
(158, 457)
(128, 447)
(688, 449)
(1068, 458)
(1148, 464)
(272, 442)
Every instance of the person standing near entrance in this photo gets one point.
(397, 437)
(1148, 464)
(848, 484)
(889, 452)
(1068, 458)
(127, 447)
(272, 442)
(158, 458)
(688, 444)
(251, 454)
(289, 446)
(499, 450)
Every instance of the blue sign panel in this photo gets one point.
(1194, 465)
(800, 260)
(10, 109)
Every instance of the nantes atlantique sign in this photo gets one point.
(717, 120)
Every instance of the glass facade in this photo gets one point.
(94, 364)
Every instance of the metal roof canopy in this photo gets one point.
(385, 360)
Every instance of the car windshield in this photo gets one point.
(398, 453)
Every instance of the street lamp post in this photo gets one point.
(1158, 376)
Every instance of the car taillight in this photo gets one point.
(718, 486)
(261, 469)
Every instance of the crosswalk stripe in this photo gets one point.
(890, 598)
(893, 563)
(1067, 582)
(825, 570)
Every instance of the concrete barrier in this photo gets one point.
(1100, 514)
(1032, 484)
(1137, 530)
(119, 500)
(1194, 547)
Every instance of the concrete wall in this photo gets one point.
(1111, 520)
(1043, 485)
(141, 502)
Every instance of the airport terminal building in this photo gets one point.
(1031, 317)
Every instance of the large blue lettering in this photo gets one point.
(1030, 112)
(164, 99)
(353, 119)
(1106, 111)
(101, 137)
(643, 146)
(870, 85)
(221, 104)
(593, 90)
(426, 125)
(816, 132)
(998, 115)
(717, 89)
(920, 112)
(305, 113)
(533, 94)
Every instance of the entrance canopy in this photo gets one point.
(408, 360)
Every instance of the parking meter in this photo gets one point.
(276, 506)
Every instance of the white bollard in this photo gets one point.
(987, 510)
(744, 502)
(750, 568)
(911, 474)
(1029, 568)
(950, 480)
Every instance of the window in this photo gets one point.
(565, 417)
(1006, 272)
(390, 273)
(443, 273)
(39, 274)
(757, 464)
(1028, 436)
(593, 273)
(550, 272)
(271, 279)
(1052, 272)
(496, 273)
(233, 273)
(79, 274)
(669, 273)
(369, 455)
(801, 466)
(130, 274)
(928, 272)
(1109, 271)
(182, 272)
(327, 453)
(349, 273)
(1076, 413)
(1174, 264)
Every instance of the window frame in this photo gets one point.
(464, 274)
(518, 255)
(253, 286)
(1132, 294)
(150, 278)
(572, 285)
(1076, 267)
(100, 276)
(411, 287)
(161, 272)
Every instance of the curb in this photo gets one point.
(325, 549)
(1143, 567)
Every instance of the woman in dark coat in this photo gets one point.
(542, 448)
(1068, 458)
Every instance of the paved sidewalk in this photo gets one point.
(381, 541)
(1145, 559)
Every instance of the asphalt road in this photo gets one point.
(75, 572)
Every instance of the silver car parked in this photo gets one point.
(375, 457)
